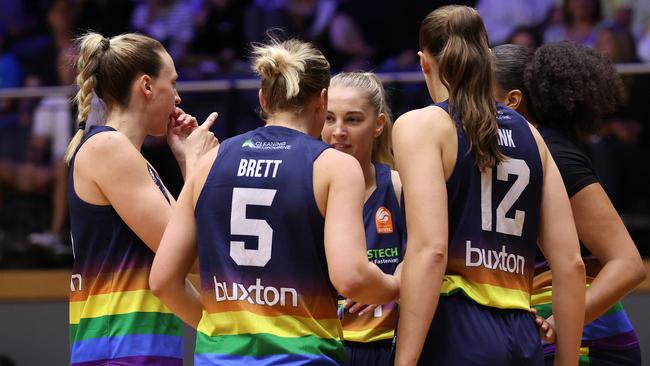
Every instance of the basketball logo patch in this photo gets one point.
(383, 221)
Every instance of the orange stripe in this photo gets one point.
(487, 276)
(318, 307)
(368, 321)
(104, 283)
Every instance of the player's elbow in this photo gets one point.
(576, 266)
(637, 272)
(157, 282)
(348, 285)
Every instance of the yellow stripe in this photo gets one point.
(116, 303)
(244, 322)
(543, 296)
(368, 335)
(487, 295)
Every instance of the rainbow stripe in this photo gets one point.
(371, 327)
(236, 332)
(611, 331)
(114, 316)
(486, 294)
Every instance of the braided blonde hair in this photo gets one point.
(107, 67)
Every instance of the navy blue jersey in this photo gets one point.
(114, 317)
(494, 217)
(385, 240)
(265, 286)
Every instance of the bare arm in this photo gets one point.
(603, 233)
(345, 246)
(419, 161)
(558, 241)
(110, 171)
(178, 250)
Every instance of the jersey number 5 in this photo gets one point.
(240, 225)
(505, 225)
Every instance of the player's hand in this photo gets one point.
(546, 327)
(355, 307)
(200, 140)
(179, 127)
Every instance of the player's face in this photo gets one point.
(165, 96)
(351, 124)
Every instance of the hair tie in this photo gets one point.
(82, 125)
(106, 42)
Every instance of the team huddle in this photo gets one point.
(331, 236)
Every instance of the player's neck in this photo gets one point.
(128, 124)
(303, 122)
(369, 177)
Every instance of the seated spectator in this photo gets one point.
(169, 21)
(503, 17)
(218, 45)
(576, 21)
(526, 36)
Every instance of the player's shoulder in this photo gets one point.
(431, 121)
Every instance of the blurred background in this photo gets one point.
(209, 41)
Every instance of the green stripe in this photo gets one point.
(546, 310)
(123, 324)
(264, 344)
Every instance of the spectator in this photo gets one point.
(503, 17)
(169, 21)
(218, 45)
(526, 36)
(578, 22)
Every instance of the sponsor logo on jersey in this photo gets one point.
(493, 259)
(266, 145)
(255, 294)
(383, 256)
(383, 221)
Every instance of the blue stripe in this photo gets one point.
(125, 346)
(607, 326)
(206, 359)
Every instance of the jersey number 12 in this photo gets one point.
(504, 225)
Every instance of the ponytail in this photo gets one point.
(455, 36)
(91, 45)
(291, 73)
(107, 67)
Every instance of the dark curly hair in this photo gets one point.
(571, 87)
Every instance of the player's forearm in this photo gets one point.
(420, 290)
(615, 280)
(183, 300)
(568, 309)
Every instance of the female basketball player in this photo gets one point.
(275, 216)
(579, 87)
(358, 122)
(118, 205)
(480, 189)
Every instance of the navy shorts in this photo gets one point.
(366, 354)
(601, 357)
(465, 333)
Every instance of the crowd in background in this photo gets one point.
(209, 39)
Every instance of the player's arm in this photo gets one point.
(177, 251)
(558, 240)
(418, 154)
(120, 172)
(604, 234)
(345, 244)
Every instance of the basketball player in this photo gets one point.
(359, 123)
(118, 205)
(480, 189)
(579, 87)
(275, 216)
